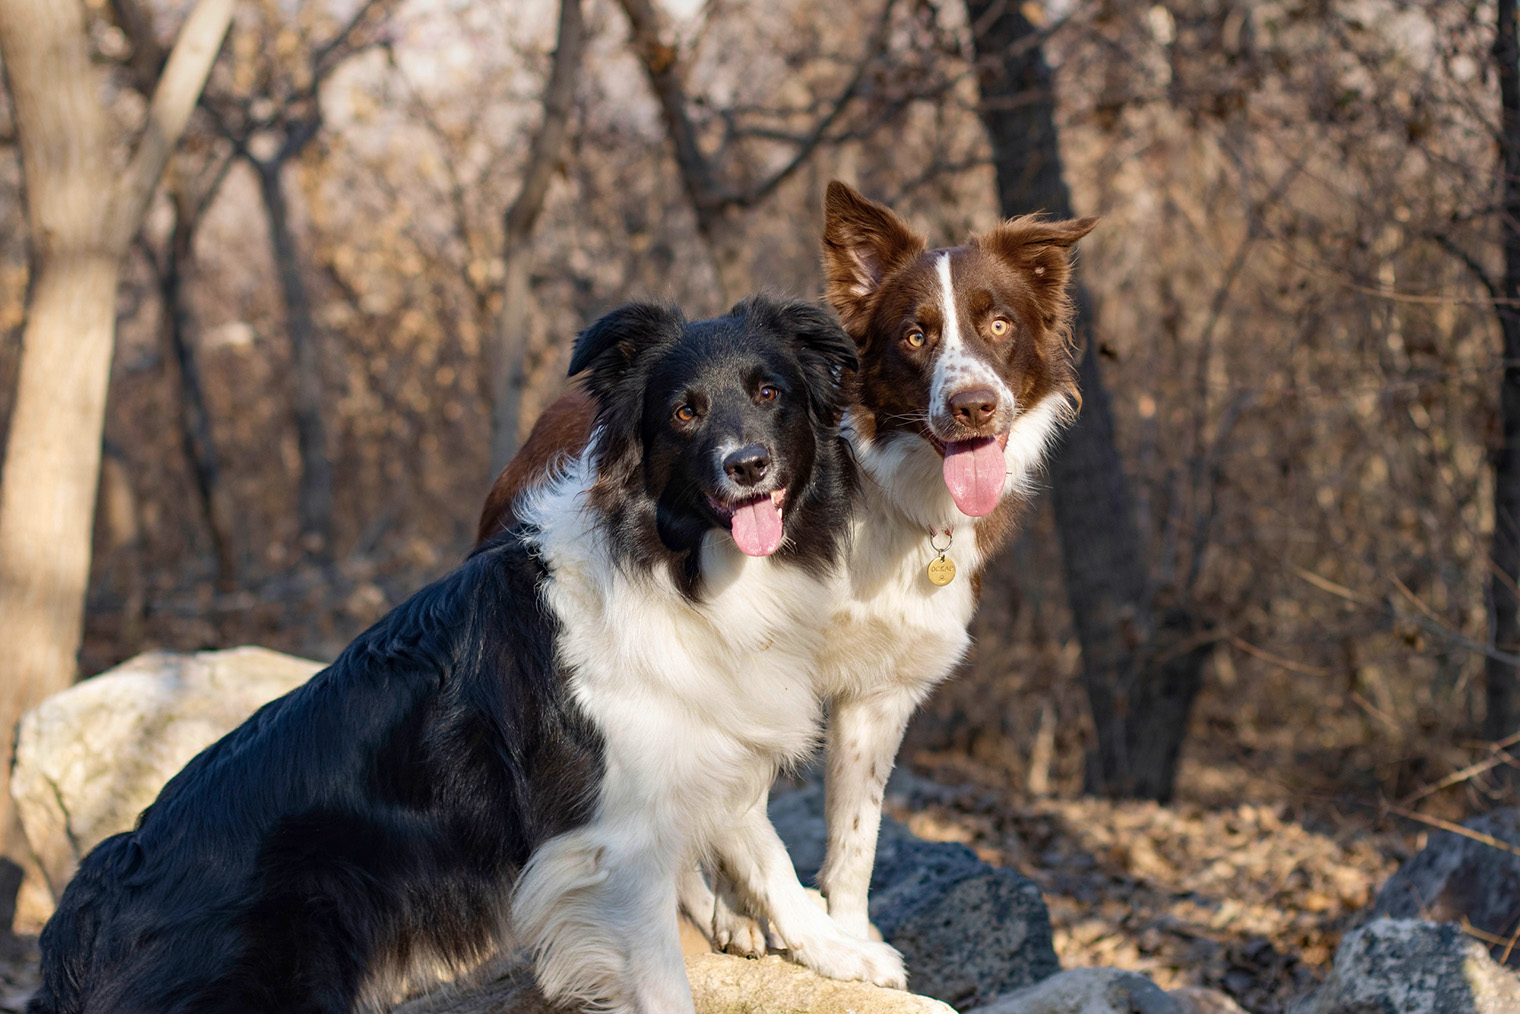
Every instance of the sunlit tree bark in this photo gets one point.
(83, 214)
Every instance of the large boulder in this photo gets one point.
(1455, 877)
(1405, 966)
(89, 759)
(969, 931)
(720, 984)
(1087, 991)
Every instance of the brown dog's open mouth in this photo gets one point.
(974, 471)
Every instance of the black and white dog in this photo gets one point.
(532, 751)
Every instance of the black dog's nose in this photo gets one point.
(747, 465)
(973, 407)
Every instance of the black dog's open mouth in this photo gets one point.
(755, 523)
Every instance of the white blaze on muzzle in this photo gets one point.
(974, 470)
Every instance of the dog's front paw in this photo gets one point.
(842, 957)
(734, 933)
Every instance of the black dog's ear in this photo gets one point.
(609, 352)
(827, 353)
(609, 347)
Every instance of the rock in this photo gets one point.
(90, 758)
(1455, 877)
(720, 984)
(1201, 1000)
(1412, 967)
(1086, 991)
(969, 931)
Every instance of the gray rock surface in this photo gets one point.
(1202, 1000)
(1455, 877)
(969, 931)
(1086, 991)
(720, 984)
(1404, 966)
(89, 759)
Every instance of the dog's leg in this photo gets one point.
(734, 930)
(719, 915)
(755, 862)
(697, 901)
(599, 916)
(863, 736)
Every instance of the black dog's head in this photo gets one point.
(729, 423)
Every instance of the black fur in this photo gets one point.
(383, 811)
(384, 806)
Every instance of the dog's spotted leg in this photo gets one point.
(755, 862)
(863, 736)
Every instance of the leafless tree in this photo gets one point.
(506, 356)
(83, 216)
(1503, 680)
(268, 129)
(714, 196)
(1141, 662)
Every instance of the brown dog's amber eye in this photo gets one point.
(768, 393)
(916, 339)
(999, 327)
(685, 414)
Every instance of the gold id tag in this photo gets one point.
(941, 570)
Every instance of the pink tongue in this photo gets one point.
(974, 474)
(757, 527)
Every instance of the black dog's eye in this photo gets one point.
(915, 338)
(685, 414)
(769, 393)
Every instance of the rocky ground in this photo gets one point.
(1238, 899)
(1248, 899)
(18, 972)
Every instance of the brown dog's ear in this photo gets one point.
(863, 243)
(1040, 250)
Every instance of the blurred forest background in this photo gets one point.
(385, 221)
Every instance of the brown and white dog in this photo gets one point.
(966, 375)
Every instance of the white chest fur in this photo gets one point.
(711, 696)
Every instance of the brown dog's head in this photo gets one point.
(956, 345)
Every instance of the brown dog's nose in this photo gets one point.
(973, 407)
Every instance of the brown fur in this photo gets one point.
(561, 432)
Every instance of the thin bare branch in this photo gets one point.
(176, 95)
(549, 141)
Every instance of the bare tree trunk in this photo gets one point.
(316, 484)
(507, 359)
(1141, 671)
(195, 420)
(82, 215)
(1503, 683)
(709, 201)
